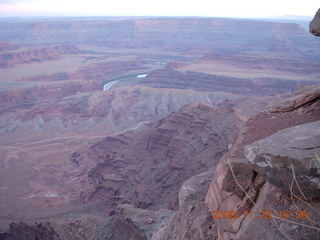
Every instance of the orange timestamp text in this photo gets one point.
(263, 214)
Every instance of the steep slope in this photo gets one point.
(147, 168)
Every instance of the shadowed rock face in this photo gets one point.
(315, 24)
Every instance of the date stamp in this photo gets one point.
(263, 214)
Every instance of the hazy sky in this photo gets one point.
(220, 8)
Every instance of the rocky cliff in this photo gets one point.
(269, 176)
(99, 157)
(11, 56)
(182, 34)
(269, 169)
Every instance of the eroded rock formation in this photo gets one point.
(192, 220)
(8, 59)
(147, 168)
(11, 56)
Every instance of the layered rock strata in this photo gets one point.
(8, 59)
(169, 78)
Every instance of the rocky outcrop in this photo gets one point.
(314, 26)
(192, 220)
(244, 188)
(28, 96)
(5, 46)
(103, 70)
(144, 221)
(289, 153)
(8, 59)
(301, 97)
(174, 65)
(169, 78)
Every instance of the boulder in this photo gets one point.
(287, 155)
(314, 25)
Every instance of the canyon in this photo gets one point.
(143, 128)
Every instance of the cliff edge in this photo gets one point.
(271, 174)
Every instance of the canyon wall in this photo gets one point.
(169, 78)
(185, 34)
